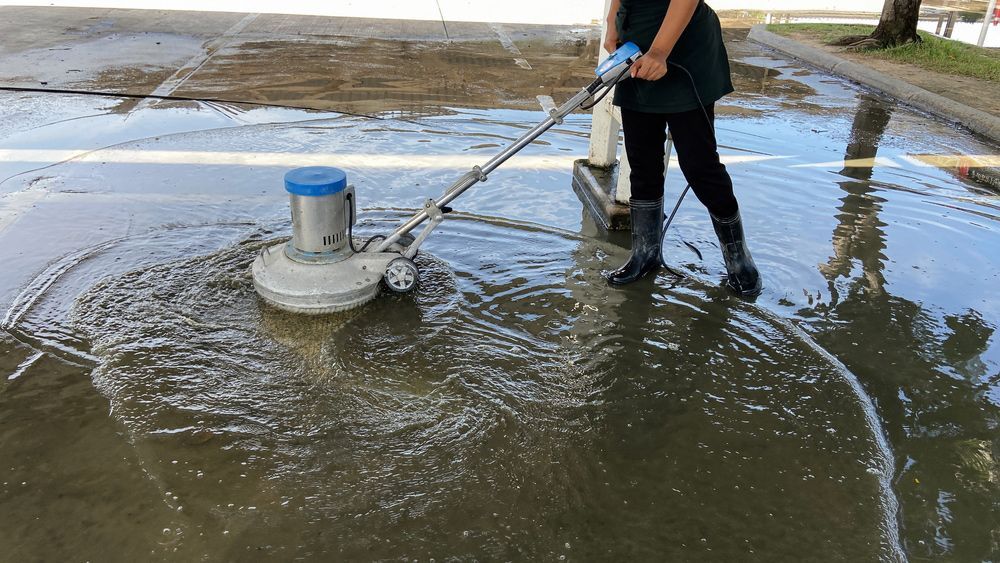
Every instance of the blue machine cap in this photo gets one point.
(315, 181)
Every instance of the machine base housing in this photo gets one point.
(317, 288)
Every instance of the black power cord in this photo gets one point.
(687, 188)
(608, 89)
(350, 228)
(172, 97)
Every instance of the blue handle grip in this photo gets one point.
(627, 52)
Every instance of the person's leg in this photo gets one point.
(698, 156)
(645, 134)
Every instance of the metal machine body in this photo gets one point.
(317, 271)
(321, 271)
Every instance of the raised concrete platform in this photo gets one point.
(596, 188)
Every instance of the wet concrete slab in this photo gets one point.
(376, 75)
(32, 28)
(252, 57)
(665, 418)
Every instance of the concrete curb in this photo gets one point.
(975, 120)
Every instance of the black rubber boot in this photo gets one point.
(743, 279)
(647, 222)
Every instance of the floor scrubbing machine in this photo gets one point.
(322, 269)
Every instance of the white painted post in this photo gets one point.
(950, 28)
(986, 22)
(604, 129)
(623, 189)
(605, 126)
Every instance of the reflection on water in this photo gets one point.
(859, 237)
(931, 381)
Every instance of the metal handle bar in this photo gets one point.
(479, 173)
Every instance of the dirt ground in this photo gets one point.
(973, 92)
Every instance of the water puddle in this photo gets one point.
(515, 407)
(510, 408)
(41, 131)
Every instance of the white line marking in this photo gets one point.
(854, 163)
(287, 160)
(547, 103)
(23, 367)
(508, 44)
(170, 85)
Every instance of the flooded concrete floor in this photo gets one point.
(515, 407)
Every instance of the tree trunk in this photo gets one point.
(897, 26)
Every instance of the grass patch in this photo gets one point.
(934, 53)
(824, 32)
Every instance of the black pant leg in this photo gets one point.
(645, 135)
(698, 156)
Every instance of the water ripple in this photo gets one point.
(513, 389)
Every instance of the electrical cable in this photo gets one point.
(171, 97)
(350, 229)
(687, 188)
(608, 89)
(697, 96)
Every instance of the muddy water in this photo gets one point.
(515, 407)
(490, 416)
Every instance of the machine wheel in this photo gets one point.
(401, 275)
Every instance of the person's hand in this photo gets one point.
(611, 40)
(651, 66)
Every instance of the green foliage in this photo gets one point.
(933, 53)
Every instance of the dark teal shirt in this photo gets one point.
(699, 49)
